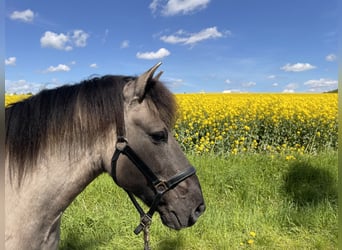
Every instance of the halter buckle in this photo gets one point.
(145, 221)
(161, 187)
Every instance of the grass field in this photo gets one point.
(254, 201)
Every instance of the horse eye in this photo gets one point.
(160, 136)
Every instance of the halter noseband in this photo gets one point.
(160, 187)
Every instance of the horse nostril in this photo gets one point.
(197, 213)
(199, 210)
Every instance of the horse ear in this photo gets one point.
(157, 77)
(143, 80)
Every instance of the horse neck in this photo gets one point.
(33, 210)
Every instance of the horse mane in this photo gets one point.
(72, 117)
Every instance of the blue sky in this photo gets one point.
(205, 45)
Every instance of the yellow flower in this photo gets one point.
(253, 234)
(250, 241)
(290, 157)
(247, 128)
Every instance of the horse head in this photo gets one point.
(149, 113)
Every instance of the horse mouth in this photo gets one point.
(171, 220)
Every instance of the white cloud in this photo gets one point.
(58, 68)
(297, 67)
(228, 81)
(175, 83)
(106, 33)
(79, 38)
(331, 58)
(11, 61)
(290, 88)
(288, 91)
(124, 44)
(154, 5)
(25, 16)
(275, 84)
(161, 53)
(321, 84)
(56, 41)
(185, 38)
(271, 77)
(227, 91)
(174, 7)
(248, 84)
(93, 65)
(22, 87)
(62, 41)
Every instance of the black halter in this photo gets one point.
(160, 187)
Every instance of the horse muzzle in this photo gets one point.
(176, 218)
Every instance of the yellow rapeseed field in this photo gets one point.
(236, 123)
(11, 98)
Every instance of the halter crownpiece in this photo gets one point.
(159, 187)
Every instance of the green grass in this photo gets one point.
(288, 204)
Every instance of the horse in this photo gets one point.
(60, 140)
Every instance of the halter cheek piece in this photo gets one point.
(160, 187)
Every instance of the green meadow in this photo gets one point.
(254, 201)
